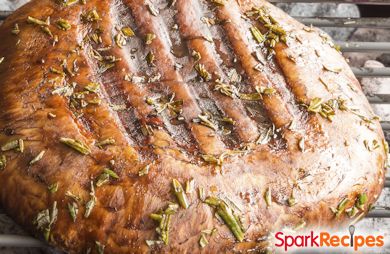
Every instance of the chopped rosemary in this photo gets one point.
(105, 142)
(361, 200)
(226, 89)
(190, 185)
(73, 196)
(227, 215)
(100, 247)
(76, 145)
(332, 69)
(91, 16)
(17, 145)
(259, 37)
(3, 162)
(127, 31)
(92, 87)
(371, 146)
(164, 218)
(206, 120)
(63, 24)
(218, 2)
(144, 170)
(163, 103)
(153, 9)
(91, 203)
(203, 73)
(37, 158)
(149, 38)
(105, 177)
(38, 22)
(291, 200)
(73, 210)
(268, 197)
(180, 194)
(45, 219)
(16, 29)
(341, 207)
(150, 57)
(203, 242)
(53, 188)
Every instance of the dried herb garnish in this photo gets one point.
(73, 196)
(53, 188)
(361, 200)
(268, 197)
(203, 242)
(180, 194)
(37, 158)
(218, 160)
(150, 57)
(3, 162)
(105, 177)
(163, 103)
(291, 200)
(63, 24)
(76, 145)
(332, 69)
(73, 209)
(275, 33)
(149, 38)
(38, 22)
(259, 37)
(144, 170)
(226, 89)
(100, 247)
(227, 215)
(91, 16)
(218, 2)
(260, 91)
(190, 185)
(17, 145)
(206, 120)
(127, 31)
(164, 218)
(92, 87)
(45, 219)
(91, 203)
(203, 73)
(152, 9)
(340, 207)
(371, 146)
(15, 30)
(105, 142)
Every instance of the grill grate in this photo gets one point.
(362, 47)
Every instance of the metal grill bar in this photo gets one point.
(20, 241)
(346, 22)
(361, 46)
(371, 72)
(4, 14)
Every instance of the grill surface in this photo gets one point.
(382, 99)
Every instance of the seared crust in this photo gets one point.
(318, 162)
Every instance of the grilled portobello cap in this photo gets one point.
(184, 126)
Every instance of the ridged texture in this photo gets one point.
(316, 161)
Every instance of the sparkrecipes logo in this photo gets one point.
(353, 240)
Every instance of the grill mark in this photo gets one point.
(207, 139)
(136, 94)
(193, 31)
(238, 36)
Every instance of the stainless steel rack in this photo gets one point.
(362, 47)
